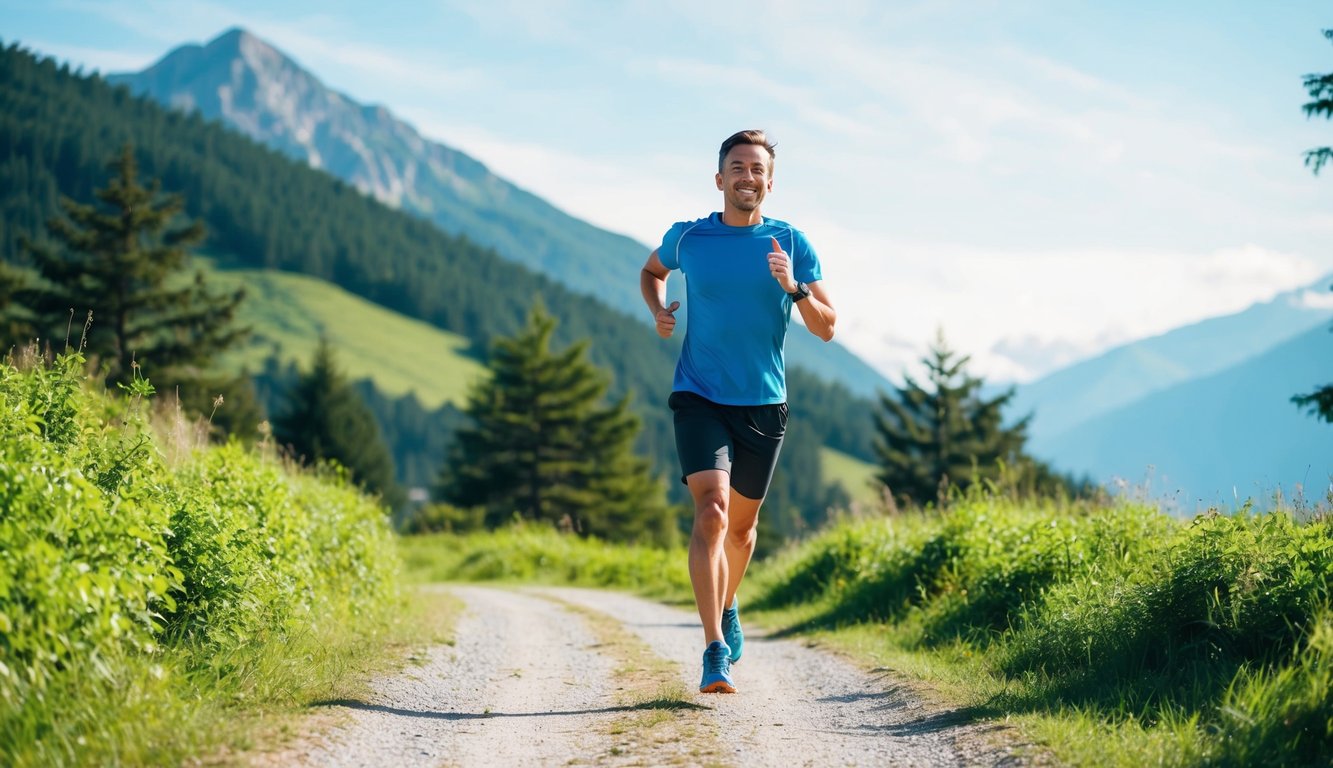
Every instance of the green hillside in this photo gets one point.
(855, 475)
(287, 314)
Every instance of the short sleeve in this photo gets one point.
(805, 262)
(669, 251)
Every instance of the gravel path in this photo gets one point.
(526, 685)
(802, 706)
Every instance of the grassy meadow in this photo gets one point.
(288, 313)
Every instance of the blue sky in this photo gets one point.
(1040, 179)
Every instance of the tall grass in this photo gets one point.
(1202, 642)
(147, 605)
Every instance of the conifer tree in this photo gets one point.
(122, 260)
(326, 419)
(543, 447)
(1320, 88)
(943, 433)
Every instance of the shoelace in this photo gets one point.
(717, 659)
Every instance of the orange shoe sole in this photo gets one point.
(721, 686)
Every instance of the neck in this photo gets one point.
(737, 218)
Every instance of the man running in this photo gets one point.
(744, 273)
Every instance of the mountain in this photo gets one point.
(248, 84)
(1218, 439)
(1081, 392)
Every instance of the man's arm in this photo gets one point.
(817, 311)
(652, 284)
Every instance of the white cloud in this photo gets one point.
(1075, 302)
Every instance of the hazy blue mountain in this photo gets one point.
(1081, 392)
(1217, 439)
(241, 80)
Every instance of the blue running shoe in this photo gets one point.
(731, 630)
(717, 669)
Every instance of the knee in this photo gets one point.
(741, 538)
(710, 514)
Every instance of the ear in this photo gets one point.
(718, 178)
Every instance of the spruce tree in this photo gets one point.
(326, 419)
(542, 446)
(122, 260)
(1320, 88)
(944, 433)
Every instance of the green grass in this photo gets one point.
(856, 476)
(1114, 635)
(537, 554)
(289, 312)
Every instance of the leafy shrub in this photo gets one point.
(83, 570)
(115, 567)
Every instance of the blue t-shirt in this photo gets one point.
(738, 314)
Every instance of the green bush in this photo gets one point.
(83, 571)
(115, 567)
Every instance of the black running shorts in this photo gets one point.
(742, 440)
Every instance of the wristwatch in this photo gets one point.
(802, 290)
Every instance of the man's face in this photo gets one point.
(745, 177)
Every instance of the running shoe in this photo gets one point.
(717, 669)
(731, 630)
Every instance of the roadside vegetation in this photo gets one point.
(163, 601)
(1110, 633)
(1115, 634)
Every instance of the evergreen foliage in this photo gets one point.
(326, 420)
(116, 261)
(542, 447)
(943, 434)
(1320, 88)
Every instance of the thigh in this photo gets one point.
(703, 440)
(758, 432)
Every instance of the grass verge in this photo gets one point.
(536, 554)
(1112, 636)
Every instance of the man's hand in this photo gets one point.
(780, 266)
(666, 320)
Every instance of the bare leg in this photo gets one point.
(708, 564)
(742, 518)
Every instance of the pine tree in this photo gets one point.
(121, 261)
(1320, 88)
(945, 433)
(541, 446)
(1319, 403)
(326, 419)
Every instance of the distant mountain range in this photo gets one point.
(1202, 414)
(250, 85)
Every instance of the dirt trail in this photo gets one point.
(530, 681)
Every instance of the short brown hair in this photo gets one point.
(753, 136)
